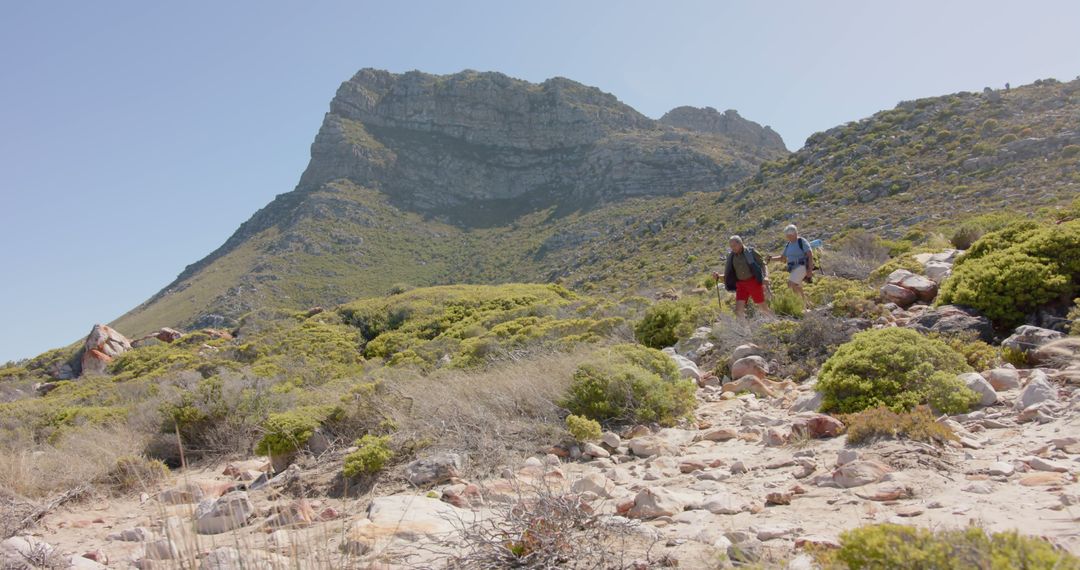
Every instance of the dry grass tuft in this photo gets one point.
(882, 423)
(85, 454)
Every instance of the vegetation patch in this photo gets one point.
(882, 423)
(583, 429)
(1010, 273)
(630, 383)
(900, 546)
(896, 368)
(371, 456)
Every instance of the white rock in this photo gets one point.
(1038, 390)
(649, 446)
(653, 502)
(228, 512)
(725, 503)
(975, 382)
(611, 439)
(595, 483)
(1040, 464)
(592, 450)
(1003, 379)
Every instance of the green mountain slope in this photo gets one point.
(369, 212)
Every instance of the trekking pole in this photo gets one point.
(719, 300)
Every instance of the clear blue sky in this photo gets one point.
(136, 136)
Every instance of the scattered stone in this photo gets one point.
(433, 470)
(721, 434)
(845, 456)
(893, 293)
(748, 551)
(744, 350)
(611, 439)
(228, 512)
(759, 387)
(888, 491)
(184, 494)
(779, 498)
(953, 320)
(808, 402)
(908, 511)
(1001, 469)
(774, 437)
(137, 534)
(772, 532)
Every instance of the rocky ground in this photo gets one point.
(758, 477)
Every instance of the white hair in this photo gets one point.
(791, 230)
(736, 239)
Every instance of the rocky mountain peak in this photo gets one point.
(729, 124)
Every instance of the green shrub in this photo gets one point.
(1004, 286)
(882, 423)
(914, 548)
(583, 429)
(1070, 151)
(971, 229)
(786, 303)
(286, 432)
(658, 328)
(373, 453)
(896, 368)
(629, 382)
(978, 354)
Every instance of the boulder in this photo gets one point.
(649, 446)
(858, 473)
(687, 368)
(1003, 379)
(611, 439)
(697, 345)
(165, 334)
(228, 512)
(744, 350)
(100, 347)
(404, 518)
(924, 288)
(976, 383)
(952, 320)
(725, 503)
(1038, 390)
(896, 294)
(937, 271)
(1028, 339)
(590, 449)
(818, 426)
(595, 483)
(433, 470)
(655, 502)
(758, 386)
(750, 366)
(808, 402)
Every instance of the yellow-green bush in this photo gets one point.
(914, 548)
(630, 382)
(786, 303)
(373, 453)
(883, 423)
(286, 432)
(583, 429)
(896, 368)
(978, 354)
(136, 473)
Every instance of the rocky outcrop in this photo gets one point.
(729, 124)
(100, 347)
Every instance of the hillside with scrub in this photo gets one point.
(366, 377)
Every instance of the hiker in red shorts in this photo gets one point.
(746, 274)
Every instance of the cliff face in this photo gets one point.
(480, 149)
(729, 124)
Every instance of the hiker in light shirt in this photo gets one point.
(799, 258)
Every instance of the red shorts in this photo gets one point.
(749, 289)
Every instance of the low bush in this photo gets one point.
(373, 453)
(914, 548)
(135, 473)
(882, 423)
(660, 325)
(629, 382)
(904, 261)
(1005, 286)
(786, 303)
(285, 432)
(896, 368)
(978, 354)
(583, 429)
